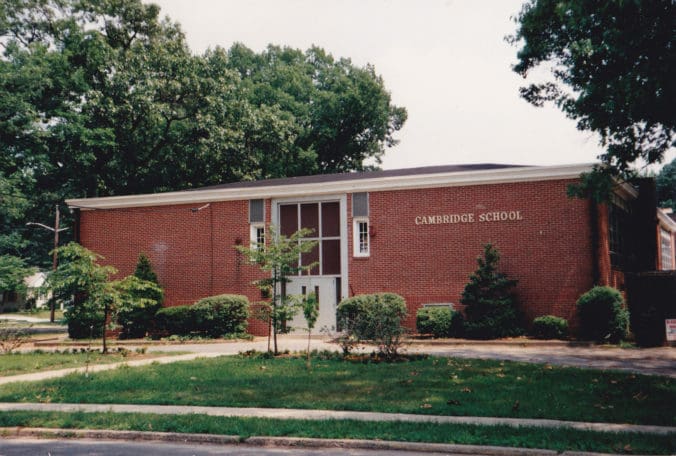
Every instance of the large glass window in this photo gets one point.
(619, 213)
(666, 250)
(324, 221)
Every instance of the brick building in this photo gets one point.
(416, 232)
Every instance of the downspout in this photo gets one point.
(594, 221)
(211, 223)
(76, 225)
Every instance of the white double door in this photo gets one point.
(327, 289)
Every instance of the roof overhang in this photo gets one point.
(418, 181)
(666, 221)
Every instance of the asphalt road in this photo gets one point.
(36, 447)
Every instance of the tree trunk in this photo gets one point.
(105, 320)
(309, 334)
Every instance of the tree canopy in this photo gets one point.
(104, 97)
(613, 63)
(666, 185)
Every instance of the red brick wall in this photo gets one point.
(549, 251)
(191, 260)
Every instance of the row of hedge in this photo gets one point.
(601, 311)
(215, 316)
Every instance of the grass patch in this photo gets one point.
(24, 363)
(437, 386)
(554, 439)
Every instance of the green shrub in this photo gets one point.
(220, 315)
(491, 310)
(214, 316)
(602, 315)
(178, 320)
(375, 317)
(139, 302)
(549, 327)
(439, 322)
(84, 322)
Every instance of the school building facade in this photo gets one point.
(416, 232)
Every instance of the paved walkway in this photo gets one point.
(651, 361)
(45, 375)
(655, 361)
(304, 414)
(25, 318)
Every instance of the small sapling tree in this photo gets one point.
(83, 286)
(310, 306)
(280, 259)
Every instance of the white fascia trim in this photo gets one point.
(452, 179)
(666, 221)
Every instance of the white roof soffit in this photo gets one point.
(665, 220)
(415, 181)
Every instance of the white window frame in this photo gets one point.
(356, 243)
(253, 235)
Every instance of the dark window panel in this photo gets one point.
(309, 258)
(309, 218)
(331, 257)
(330, 219)
(288, 219)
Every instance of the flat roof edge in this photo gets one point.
(419, 181)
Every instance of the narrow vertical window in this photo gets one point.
(257, 223)
(361, 241)
(257, 235)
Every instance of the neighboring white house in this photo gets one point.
(33, 284)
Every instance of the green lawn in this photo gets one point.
(24, 363)
(554, 439)
(430, 386)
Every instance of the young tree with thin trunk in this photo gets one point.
(279, 258)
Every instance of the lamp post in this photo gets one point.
(56, 230)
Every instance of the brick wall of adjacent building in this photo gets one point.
(549, 251)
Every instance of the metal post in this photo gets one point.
(55, 259)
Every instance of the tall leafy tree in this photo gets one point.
(103, 97)
(343, 113)
(13, 270)
(666, 185)
(613, 66)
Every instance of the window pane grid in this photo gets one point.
(304, 212)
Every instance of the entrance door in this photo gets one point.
(327, 289)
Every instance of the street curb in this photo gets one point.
(289, 442)
(310, 414)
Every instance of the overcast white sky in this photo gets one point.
(445, 61)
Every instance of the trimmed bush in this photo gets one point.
(439, 322)
(375, 317)
(549, 327)
(178, 320)
(84, 322)
(602, 315)
(220, 315)
(214, 316)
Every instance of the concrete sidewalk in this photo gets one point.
(305, 414)
(45, 375)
